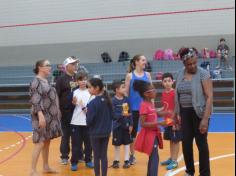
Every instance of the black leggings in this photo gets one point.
(134, 132)
(100, 146)
(190, 127)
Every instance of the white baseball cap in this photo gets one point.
(70, 60)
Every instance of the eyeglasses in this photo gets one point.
(151, 90)
(189, 55)
(47, 65)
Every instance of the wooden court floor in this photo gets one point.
(16, 149)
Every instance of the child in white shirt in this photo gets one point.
(79, 130)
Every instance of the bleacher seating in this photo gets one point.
(14, 82)
(15, 99)
(109, 71)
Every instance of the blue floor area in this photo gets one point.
(22, 123)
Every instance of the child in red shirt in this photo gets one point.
(150, 135)
(172, 132)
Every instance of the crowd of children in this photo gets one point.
(95, 116)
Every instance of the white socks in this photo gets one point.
(126, 152)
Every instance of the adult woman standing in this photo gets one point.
(45, 115)
(194, 99)
(136, 72)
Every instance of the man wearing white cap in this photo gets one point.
(64, 87)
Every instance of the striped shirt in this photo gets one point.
(185, 90)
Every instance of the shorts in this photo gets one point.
(135, 115)
(121, 137)
(171, 135)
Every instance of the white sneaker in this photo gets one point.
(64, 161)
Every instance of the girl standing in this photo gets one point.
(150, 135)
(136, 72)
(99, 122)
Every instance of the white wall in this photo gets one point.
(192, 25)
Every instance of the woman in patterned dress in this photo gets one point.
(45, 115)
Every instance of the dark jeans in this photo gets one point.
(190, 127)
(79, 135)
(100, 146)
(153, 161)
(65, 139)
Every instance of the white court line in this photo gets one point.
(19, 142)
(22, 117)
(197, 163)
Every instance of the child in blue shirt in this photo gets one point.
(122, 124)
(99, 122)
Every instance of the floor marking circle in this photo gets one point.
(18, 151)
(22, 140)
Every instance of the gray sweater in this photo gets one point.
(198, 96)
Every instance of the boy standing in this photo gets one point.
(172, 133)
(79, 129)
(122, 124)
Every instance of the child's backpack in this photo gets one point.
(205, 65)
(159, 76)
(169, 54)
(214, 74)
(213, 54)
(106, 57)
(124, 56)
(159, 55)
(205, 53)
(176, 56)
(217, 74)
(148, 67)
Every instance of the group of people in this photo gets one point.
(81, 110)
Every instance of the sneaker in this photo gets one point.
(186, 174)
(167, 162)
(81, 160)
(90, 165)
(132, 160)
(64, 161)
(172, 165)
(126, 164)
(74, 167)
(116, 165)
